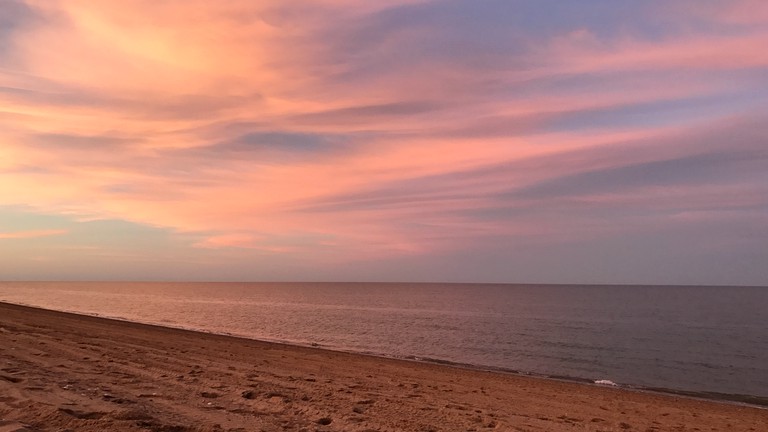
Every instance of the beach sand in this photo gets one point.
(64, 372)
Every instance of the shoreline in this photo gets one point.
(87, 373)
(728, 398)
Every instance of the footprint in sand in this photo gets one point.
(83, 415)
(12, 426)
(11, 379)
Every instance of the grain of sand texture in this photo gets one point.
(63, 372)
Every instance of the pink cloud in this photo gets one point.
(128, 117)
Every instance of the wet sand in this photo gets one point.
(65, 372)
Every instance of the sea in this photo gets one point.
(698, 340)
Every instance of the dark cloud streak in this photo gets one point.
(694, 170)
(356, 114)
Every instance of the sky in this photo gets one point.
(538, 141)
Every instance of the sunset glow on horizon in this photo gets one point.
(604, 141)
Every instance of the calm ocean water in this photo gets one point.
(709, 339)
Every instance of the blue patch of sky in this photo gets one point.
(107, 233)
(493, 34)
(121, 234)
(13, 16)
(13, 219)
(493, 21)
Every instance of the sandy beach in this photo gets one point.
(65, 372)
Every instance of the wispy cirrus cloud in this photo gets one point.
(373, 131)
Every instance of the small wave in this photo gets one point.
(606, 382)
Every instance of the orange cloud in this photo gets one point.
(31, 234)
